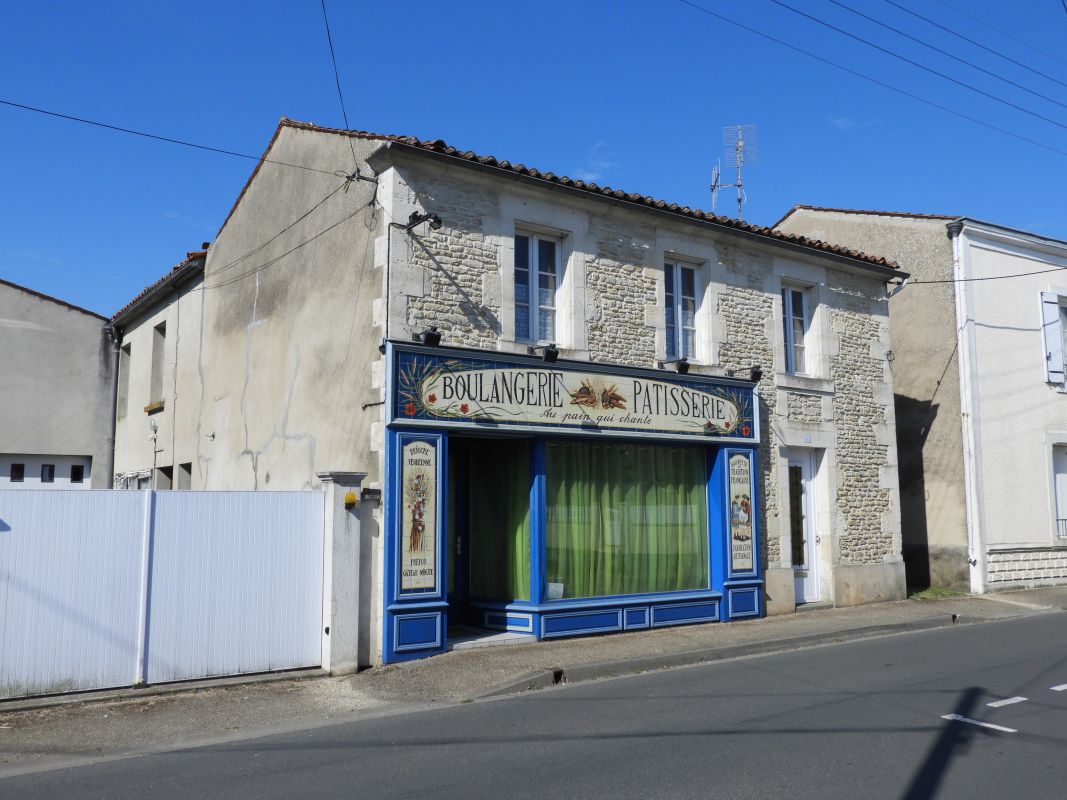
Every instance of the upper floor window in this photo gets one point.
(795, 323)
(18, 473)
(123, 390)
(1054, 328)
(48, 473)
(537, 279)
(159, 343)
(77, 473)
(680, 301)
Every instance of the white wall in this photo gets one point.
(32, 471)
(1017, 408)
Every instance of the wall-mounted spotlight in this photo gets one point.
(417, 219)
(549, 352)
(681, 365)
(431, 337)
(755, 373)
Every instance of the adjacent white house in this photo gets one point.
(55, 408)
(979, 341)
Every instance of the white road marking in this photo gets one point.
(1006, 702)
(958, 718)
(1059, 688)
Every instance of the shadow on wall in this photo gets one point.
(914, 418)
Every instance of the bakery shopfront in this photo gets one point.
(561, 499)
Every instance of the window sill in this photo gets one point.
(803, 383)
(154, 408)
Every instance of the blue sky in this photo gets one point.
(629, 94)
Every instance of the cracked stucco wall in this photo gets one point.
(288, 341)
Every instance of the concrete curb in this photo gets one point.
(539, 679)
(135, 692)
(612, 669)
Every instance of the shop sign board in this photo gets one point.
(418, 517)
(740, 481)
(450, 391)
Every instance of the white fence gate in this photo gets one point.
(110, 588)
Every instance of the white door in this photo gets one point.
(803, 536)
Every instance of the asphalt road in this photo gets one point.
(857, 720)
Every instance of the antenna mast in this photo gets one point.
(739, 150)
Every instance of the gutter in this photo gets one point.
(887, 273)
(970, 423)
(160, 289)
(116, 344)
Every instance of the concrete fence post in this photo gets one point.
(341, 588)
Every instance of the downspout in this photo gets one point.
(116, 343)
(976, 555)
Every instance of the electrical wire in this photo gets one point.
(914, 63)
(286, 229)
(157, 137)
(987, 278)
(232, 279)
(937, 49)
(271, 262)
(856, 73)
(337, 79)
(991, 27)
(997, 53)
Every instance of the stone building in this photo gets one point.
(577, 409)
(978, 337)
(55, 408)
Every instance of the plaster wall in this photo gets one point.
(1019, 412)
(611, 300)
(925, 382)
(56, 362)
(288, 290)
(176, 435)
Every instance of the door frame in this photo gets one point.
(807, 580)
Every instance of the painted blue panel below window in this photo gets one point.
(743, 602)
(520, 622)
(581, 622)
(682, 613)
(636, 618)
(417, 631)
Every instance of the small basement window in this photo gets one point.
(77, 473)
(18, 473)
(48, 473)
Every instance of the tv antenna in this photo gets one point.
(740, 149)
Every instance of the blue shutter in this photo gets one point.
(1053, 334)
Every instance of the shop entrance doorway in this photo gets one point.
(803, 535)
(488, 526)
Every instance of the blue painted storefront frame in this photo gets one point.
(415, 625)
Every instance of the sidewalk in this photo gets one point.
(70, 733)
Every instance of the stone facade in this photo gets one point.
(610, 310)
(864, 538)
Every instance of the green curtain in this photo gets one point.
(500, 519)
(625, 519)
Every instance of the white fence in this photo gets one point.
(109, 588)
